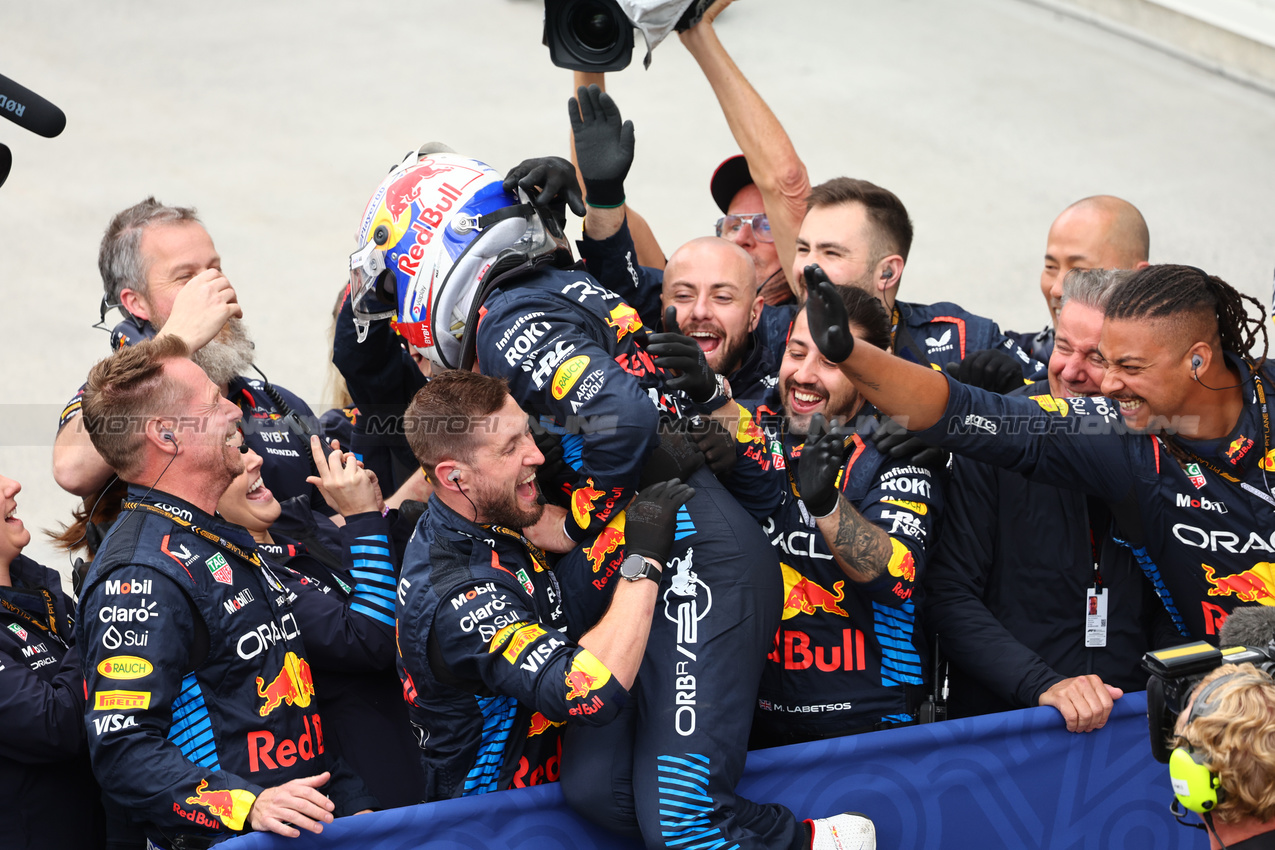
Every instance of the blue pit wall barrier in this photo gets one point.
(1012, 780)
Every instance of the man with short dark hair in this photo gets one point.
(160, 268)
(852, 534)
(1098, 232)
(181, 616)
(488, 670)
(860, 235)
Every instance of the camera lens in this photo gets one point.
(595, 26)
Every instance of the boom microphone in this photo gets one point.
(30, 111)
(1249, 626)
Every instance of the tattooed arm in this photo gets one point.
(861, 549)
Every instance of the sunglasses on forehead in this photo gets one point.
(728, 226)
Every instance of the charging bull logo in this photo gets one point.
(1252, 585)
(579, 683)
(901, 563)
(625, 320)
(748, 432)
(585, 674)
(294, 685)
(406, 189)
(611, 538)
(803, 596)
(540, 724)
(582, 503)
(1238, 448)
(231, 806)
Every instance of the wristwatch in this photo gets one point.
(636, 567)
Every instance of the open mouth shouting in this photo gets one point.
(527, 487)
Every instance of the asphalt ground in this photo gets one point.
(277, 120)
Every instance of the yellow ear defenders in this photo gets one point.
(1195, 786)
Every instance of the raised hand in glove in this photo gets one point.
(992, 369)
(676, 456)
(675, 351)
(893, 439)
(651, 519)
(549, 181)
(829, 322)
(821, 460)
(716, 444)
(604, 145)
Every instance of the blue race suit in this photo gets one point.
(180, 616)
(570, 351)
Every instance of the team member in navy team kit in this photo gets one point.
(467, 265)
(159, 266)
(200, 709)
(852, 533)
(48, 797)
(1009, 583)
(341, 584)
(1179, 447)
(711, 284)
(487, 666)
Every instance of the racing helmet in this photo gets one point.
(435, 237)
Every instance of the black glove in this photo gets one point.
(893, 439)
(549, 181)
(716, 444)
(826, 312)
(991, 369)
(604, 145)
(821, 460)
(673, 350)
(555, 479)
(676, 456)
(651, 519)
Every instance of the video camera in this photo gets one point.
(1177, 670)
(597, 35)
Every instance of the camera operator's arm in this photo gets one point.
(773, 162)
(77, 467)
(608, 222)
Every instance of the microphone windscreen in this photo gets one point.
(6, 162)
(30, 111)
(1249, 626)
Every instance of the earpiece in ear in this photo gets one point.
(168, 435)
(455, 476)
(1196, 362)
(887, 274)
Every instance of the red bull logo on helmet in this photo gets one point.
(294, 685)
(625, 320)
(803, 596)
(1256, 584)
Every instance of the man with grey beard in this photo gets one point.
(160, 268)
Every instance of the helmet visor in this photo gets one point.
(371, 284)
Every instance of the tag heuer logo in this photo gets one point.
(220, 569)
(1194, 475)
(18, 630)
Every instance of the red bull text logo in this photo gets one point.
(1256, 584)
(794, 650)
(263, 752)
(625, 320)
(1238, 448)
(803, 596)
(407, 189)
(294, 685)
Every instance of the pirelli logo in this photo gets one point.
(103, 700)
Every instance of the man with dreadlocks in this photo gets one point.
(1180, 447)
